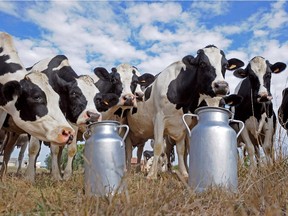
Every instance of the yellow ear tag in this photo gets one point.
(276, 71)
(105, 102)
(143, 81)
(232, 66)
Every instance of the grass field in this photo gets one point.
(262, 192)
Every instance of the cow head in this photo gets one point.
(200, 78)
(125, 81)
(211, 66)
(77, 93)
(33, 104)
(259, 72)
(148, 161)
(81, 108)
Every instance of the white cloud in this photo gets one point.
(9, 8)
(147, 13)
(211, 8)
(278, 18)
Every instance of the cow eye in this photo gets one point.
(202, 64)
(37, 98)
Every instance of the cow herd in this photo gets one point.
(50, 102)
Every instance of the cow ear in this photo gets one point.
(146, 79)
(61, 83)
(278, 67)
(102, 73)
(234, 64)
(11, 89)
(240, 73)
(233, 99)
(188, 60)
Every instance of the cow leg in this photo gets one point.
(71, 152)
(21, 156)
(158, 145)
(169, 147)
(257, 154)
(9, 147)
(180, 148)
(33, 151)
(140, 148)
(269, 140)
(3, 115)
(128, 152)
(249, 146)
(54, 162)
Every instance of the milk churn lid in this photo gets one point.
(104, 122)
(207, 108)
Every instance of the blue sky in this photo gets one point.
(150, 35)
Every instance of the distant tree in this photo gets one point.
(78, 160)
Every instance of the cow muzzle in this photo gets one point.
(221, 88)
(66, 136)
(92, 117)
(128, 100)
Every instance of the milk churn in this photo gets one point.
(104, 158)
(213, 149)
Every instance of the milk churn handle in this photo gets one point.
(87, 131)
(126, 133)
(183, 118)
(242, 124)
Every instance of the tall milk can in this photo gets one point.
(213, 149)
(104, 158)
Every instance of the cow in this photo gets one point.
(282, 113)
(178, 89)
(256, 110)
(225, 102)
(125, 81)
(79, 100)
(29, 98)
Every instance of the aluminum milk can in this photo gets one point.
(104, 158)
(213, 150)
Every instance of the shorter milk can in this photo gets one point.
(104, 158)
(213, 149)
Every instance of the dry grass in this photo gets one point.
(263, 192)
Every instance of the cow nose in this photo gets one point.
(128, 99)
(139, 96)
(221, 88)
(92, 117)
(68, 135)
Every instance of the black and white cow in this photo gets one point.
(282, 110)
(178, 89)
(256, 110)
(79, 100)
(29, 98)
